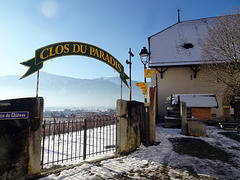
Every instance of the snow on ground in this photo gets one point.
(67, 149)
(162, 161)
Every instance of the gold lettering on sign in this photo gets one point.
(74, 48)
(119, 68)
(106, 58)
(112, 61)
(51, 52)
(82, 49)
(66, 48)
(101, 55)
(57, 49)
(91, 50)
(96, 53)
(42, 53)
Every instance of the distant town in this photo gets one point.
(58, 114)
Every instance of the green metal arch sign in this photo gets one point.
(72, 48)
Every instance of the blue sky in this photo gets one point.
(113, 25)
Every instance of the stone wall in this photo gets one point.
(20, 137)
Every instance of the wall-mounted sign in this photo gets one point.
(148, 72)
(143, 86)
(72, 48)
(14, 115)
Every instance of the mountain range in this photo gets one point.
(61, 91)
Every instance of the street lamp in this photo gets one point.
(130, 67)
(144, 55)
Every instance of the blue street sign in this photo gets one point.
(14, 115)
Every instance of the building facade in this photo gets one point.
(175, 53)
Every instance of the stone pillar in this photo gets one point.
(35, 137)
(197, 128)
(152, 116)
(183, 112)
(128, 130)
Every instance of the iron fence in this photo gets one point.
(77, 139)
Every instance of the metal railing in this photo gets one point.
(77, 139)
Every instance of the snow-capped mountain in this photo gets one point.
(64, 91)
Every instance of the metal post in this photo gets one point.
(37, 83)
(85, 140)
(59, 137)
(53, 139)
(97, 122)
(103, 132)
(76, 130)
(63, 139)
(145, 97)
(146, 115)
(100, 135)
(156, 97)
(146, 125)
(121, 89)
(49, 130)
(72, 139)
(93, 133)
(67, 137)
(80, 133)
(130, 74)
(43, 143)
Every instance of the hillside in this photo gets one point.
(61, 91)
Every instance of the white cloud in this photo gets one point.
(50, 8)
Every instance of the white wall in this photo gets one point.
(180, 80)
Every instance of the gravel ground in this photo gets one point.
(232, 135)
(200, 149)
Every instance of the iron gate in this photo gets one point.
(64, 141)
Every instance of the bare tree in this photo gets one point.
(221, 52)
